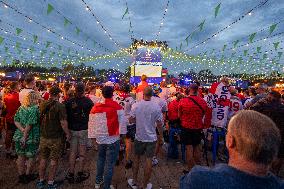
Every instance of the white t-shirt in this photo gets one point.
(161, 102)
(23, 93)
(147, 114)
(165, 94)
(94, 98)
(126, 103)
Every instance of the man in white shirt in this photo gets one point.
(30, 84)
(148, 117)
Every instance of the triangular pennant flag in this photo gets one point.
(18, 45)
(18, 31)
(224, 47)
(186, 39)
(264, 56)
(35, 38)
(32, 49)
(66, 22)
(250, 58)
(6, 49)
(49, 8)
(77, 30)
(276, 45)
(280, 54)
(47, 44)
(1, 40)
(201, 25)
(217, 8)
(95, 43)
(126, 12)
(69, 50)
(180, 46)
(272, 28)
(258, 49)
(236, 42)
(251, 37)
(245, 52)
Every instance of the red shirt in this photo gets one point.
(12, 103)
(191, 115)
(173, 110)
(141, 87)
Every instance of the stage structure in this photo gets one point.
(147, 59)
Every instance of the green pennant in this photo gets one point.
(201, 25)
(276, 45)
(251, 37)
(18, 31)
(1, 40)
(18, 45)
(280, 54)
(95, 43)
(233, 54)
(212, 51)
(35, 38)
(245, 52)
(217, 8)
(126, 12)
(69, 50)
(272, 28)
(264, 56)
(240, 59)
(236, 42)
(49, 9)
(258, 49)
(224, 47)
(6, 49)
(32, 49)
(77, 30)
(60, 47)
(180, 46)
(186, 39)
(19, 51)
(66, 22)
(250, 58)
(47, 44)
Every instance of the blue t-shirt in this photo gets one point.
(223, 176)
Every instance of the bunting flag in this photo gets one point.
(35, 38)
(264, 56)
(276, 45)
(95, 43)
(66, 22)
(49, 9)
(18, 45)
(47, 44)
(32, 49)
(201, 25)
(280, 54)
(18, 31)
(217, 8)
(245, 52)
(1, 40)
(236, 42)
(224, 47)
(69, 50)
(251, 37)
(186, 39)
(258, 49)
(6, 49)
(180, 46)
(77, 30)
(126, 12)
(272, 28)
(250, 58)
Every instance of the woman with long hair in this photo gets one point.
(26, 137)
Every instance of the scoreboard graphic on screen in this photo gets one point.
(147, 60)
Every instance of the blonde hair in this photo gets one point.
(256, 135)
(31, 99)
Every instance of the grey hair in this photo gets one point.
(256, 135)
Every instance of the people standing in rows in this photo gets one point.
(106, 123)
(148, 117)
(11, 103)
(252, 141)
(53, 128)
(194, 115)
(78, 110)
(26, 136)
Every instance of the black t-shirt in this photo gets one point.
(78, 110)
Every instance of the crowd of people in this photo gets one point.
(41, 121)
